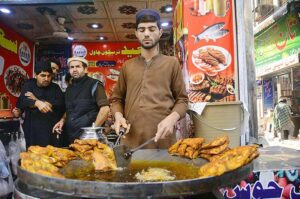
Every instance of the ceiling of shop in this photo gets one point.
(116, 20)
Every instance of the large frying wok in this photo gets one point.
(97, 189)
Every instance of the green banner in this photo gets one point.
(278, 41)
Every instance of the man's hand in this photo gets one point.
(120, 121)
(44, 107)
(16, 112)
(30, 95)
(58, 126)
(166, 126)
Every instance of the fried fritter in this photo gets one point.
(216, 150)
(228, 161)
(38, 150)
(81, 147)
(216, 142)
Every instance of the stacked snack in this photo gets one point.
(46, 160)
(189, 147)
(214, 148)
(100, 154)
(228, 161)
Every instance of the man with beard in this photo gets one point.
(150, 95)
(86, 101)
(43, 104)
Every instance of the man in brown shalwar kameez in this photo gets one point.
(150, 95)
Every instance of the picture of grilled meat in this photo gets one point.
(222, 80)
(204, 86)
(195, 97)
(218, 90)
(207, 58)
(228, 98)
(217, 55)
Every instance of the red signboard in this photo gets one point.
(207, 36)
(106, 59)
(16, 65)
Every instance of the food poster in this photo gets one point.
(210, 50)
(106, 59)
(16, 65)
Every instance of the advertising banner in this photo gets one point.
(208, 40)
(267, 94)
(106, 59)
(281, 184)
(277, 46)
(16, 65)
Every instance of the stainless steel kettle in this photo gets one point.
(93, 132)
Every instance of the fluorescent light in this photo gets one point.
(165, 24)
(95, 25)
(70, 38)
(5, 10)
(169, 9)
(101, 38)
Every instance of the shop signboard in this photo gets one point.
(281, 184)
(16, 65)
(106, 59)
(209, 50)
(277, 46)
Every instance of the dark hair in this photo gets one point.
(283, 100)
(43, 67)
(146, 19)
(56, 61)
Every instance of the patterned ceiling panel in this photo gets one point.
(124, 25)
(117, 18)
(83, 25)
(125, 9)
(87, 11)
(159, 6)
(93, 36)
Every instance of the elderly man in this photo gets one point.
(86, 101)
(282, 119)
(150, 94)
(43, 104)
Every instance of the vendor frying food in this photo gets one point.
(150, 93)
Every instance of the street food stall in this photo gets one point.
(143, 178)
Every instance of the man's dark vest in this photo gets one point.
(81, 106)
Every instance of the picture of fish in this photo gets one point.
(114, 71)
(113, 77)
(212, 32)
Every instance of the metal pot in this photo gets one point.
(92, 133)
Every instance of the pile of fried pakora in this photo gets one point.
(48, 160)
(195, 147)
(222, 158)
(230, 160)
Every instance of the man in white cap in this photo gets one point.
(150, 94)
(86, 101)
